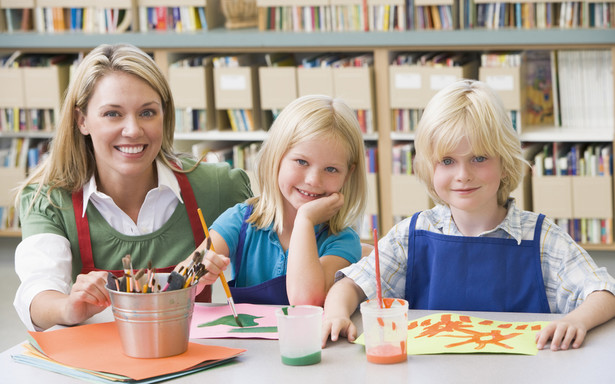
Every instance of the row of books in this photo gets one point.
(22, 152)
(583, 100)
(17, 155)
(578, 159)
(56, 19)
(333, 17)
(540, 15)
(300, 16)
(92, 17)
(24, 120)
(592, 231)
(178, 19)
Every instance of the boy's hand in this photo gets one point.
(339, 326)
(563, 333)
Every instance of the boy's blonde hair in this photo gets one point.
(306, 118)
(470, 109)
(71, 162)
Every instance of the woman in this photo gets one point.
(111, 186)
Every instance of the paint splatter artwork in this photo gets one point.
(453, 333)
(210, 322)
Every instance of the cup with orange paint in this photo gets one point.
(385, 330)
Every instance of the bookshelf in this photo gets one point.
(383, 46)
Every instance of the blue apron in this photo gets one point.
(474, 273)
(269, 292)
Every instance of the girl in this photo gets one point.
(476, 250)
(286, 244)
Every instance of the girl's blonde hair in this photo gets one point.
(307, 118)
(470, 109)
(71, 162)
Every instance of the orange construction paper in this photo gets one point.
(97, 347)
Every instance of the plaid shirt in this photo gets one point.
(569, 273)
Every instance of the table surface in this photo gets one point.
(344, 362)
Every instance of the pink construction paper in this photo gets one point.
(205, 314)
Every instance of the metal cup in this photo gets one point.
(154, 325)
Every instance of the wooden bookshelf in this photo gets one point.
(382, 45)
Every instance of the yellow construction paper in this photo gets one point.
(454, 333)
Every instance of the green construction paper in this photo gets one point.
(246, 321)
(454, 333)
(254, 330)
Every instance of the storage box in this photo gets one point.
(592, 197)
(412, 86)
(192, 87)
(13, 91)
(278, 86)
(45, 86)
(506, 82)
(315, 81)
(354, 85)
(552, 196)
(577, 197)
(10, 177)
(408, 195)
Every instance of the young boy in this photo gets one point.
(476, 250)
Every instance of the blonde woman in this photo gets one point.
(111, 186)
(286, 244)
(476, 251)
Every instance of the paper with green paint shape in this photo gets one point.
(217, 321)
(454, 333)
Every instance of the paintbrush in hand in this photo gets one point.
(227, 290)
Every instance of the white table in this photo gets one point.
(343, 362)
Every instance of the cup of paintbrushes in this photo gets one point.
(157, 323)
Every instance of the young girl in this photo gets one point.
(286, 244)
(476, 250)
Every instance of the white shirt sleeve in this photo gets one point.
(42, 262)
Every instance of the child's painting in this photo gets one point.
(210, 322)
(453, 333)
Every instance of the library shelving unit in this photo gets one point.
(167, 46)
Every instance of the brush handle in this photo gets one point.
(227, 290)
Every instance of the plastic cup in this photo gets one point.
(153, 325)
(299, 330)
(385, 330)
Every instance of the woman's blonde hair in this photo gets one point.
(307, 118)
(71, 162)
(468, 109)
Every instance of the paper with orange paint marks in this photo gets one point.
(454, 333)
(97, 347)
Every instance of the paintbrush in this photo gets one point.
(127, 272)
(377, 262)
(227, 290)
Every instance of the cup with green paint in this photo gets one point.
(299, 330)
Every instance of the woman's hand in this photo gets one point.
(87, 297)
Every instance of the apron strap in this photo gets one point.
(83, 233)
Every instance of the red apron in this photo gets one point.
(85, 243)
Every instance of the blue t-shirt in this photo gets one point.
(264, 258)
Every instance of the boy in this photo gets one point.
(476, 250)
